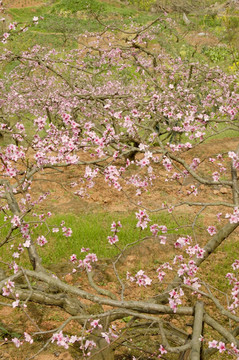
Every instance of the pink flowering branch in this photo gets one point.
(131, 132)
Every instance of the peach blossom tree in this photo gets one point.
(106, 110)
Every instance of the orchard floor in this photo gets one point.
(104, 198)
(147, 254)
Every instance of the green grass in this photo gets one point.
(89, 230)
(223, 265)
(78, 13)
(231, 133)
(225, 134)
(26, 14)
(73, 6)
(65, 19)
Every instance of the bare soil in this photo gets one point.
(22, 3)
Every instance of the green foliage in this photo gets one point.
(231, 24)
(216, 53)
(143, 4)
(210, 21)
(6, 332)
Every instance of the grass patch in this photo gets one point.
(26, 14)
(73, 6)
(67, 26)
(89, 230)
(223, 265)
(65, 20)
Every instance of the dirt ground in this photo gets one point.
(103, 198)
(22, 3)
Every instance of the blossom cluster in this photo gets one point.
(140, 278)
(115, 228)
(175, 299)
(143, 218)
(86, 262)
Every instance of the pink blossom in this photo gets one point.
(221, 347)
(163, 239)
(16, 222)
(212, 230)
(140, 278)
(143, 218)
(67, 231)
(219, 216)
(161, 275)
(16, 342)
(96, 324)
(5, 291)
(73, 258)
(115, 227)
(89, 344)
(60, 339)
(235, 265)
(6, 35)
(215, 176)
(154, 229)
(212, 344)
(162, 350)
(41, 240)
(113, 239)
(182, 241)
(86, 263)
(40, 122)
(175, 300)
(15, 267)
(106, 337)
(233, 218)
(27, 243)
(167, 164)
(28, 338)
(15, 303)
(163, 229)
(11, 26)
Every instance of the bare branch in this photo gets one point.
(197, 331)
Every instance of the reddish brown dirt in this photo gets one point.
(194, 38)
(22, 3)
(105, 198)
